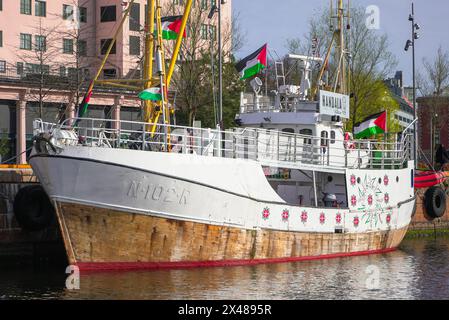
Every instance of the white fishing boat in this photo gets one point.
(283, 186)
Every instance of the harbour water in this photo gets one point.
(418, 270)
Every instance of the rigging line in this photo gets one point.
(16, 156)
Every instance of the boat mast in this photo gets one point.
(154, 53)
(340, 84)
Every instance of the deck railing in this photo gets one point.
(270, 147)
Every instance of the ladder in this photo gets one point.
(280, 74)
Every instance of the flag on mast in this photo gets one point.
(82, 110)
(171, 26)
(252, 64)
(152, 94)
(372, 125)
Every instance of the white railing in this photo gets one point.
(270, 147)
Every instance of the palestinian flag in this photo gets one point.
(82, 110)
(153, 94)
(252, 64)
(170, 27)
(371, 125)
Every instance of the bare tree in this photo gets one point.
(370, 60)
(37, 54)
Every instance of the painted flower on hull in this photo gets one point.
(353, 201)
(386, 198)
(266, 213)
(304, 216)
(353, 180)
(356, 221)
(386, 180)
(338, 218)
(285, 215)
(322, 218)
(370, 200)
(388, 218)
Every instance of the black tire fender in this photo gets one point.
(435, 202)
(33, 209)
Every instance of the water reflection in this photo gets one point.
(419, 270)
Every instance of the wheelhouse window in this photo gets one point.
(108, 13)
(332, 136)
(324, 138)
(288, 130)
(306, 132)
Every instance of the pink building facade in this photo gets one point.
(65, 38)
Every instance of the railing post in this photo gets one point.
(143, 138)
(278, 150)
(294, 151)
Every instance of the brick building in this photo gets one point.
(433, 128)
(66, 40)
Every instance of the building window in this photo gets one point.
(25, 7)
(40, 43)
(35, 68)
(40, 8)
(62, 71)
(1, 5)
(19, 67)
(2, 66)
(213, 32)
(83, 14)
(134, 45)
(105, 43)
(134, 17)
(67, 46)
(82, 48)
(332, 136)
(204, 4)
(1, 38)
(306, 132)
(204, 30)
(25, 41)
(108, 13)
(109, 73)
(67, 12)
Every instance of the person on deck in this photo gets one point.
(441, 157)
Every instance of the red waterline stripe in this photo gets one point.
(117, 266)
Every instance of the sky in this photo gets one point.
(276, 21)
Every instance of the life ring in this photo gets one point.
(33, 209)
(435, 202)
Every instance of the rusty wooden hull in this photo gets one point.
(98, 239)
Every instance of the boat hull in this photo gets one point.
(107, 239)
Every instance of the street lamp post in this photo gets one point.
(217, 8)
(411, 43)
